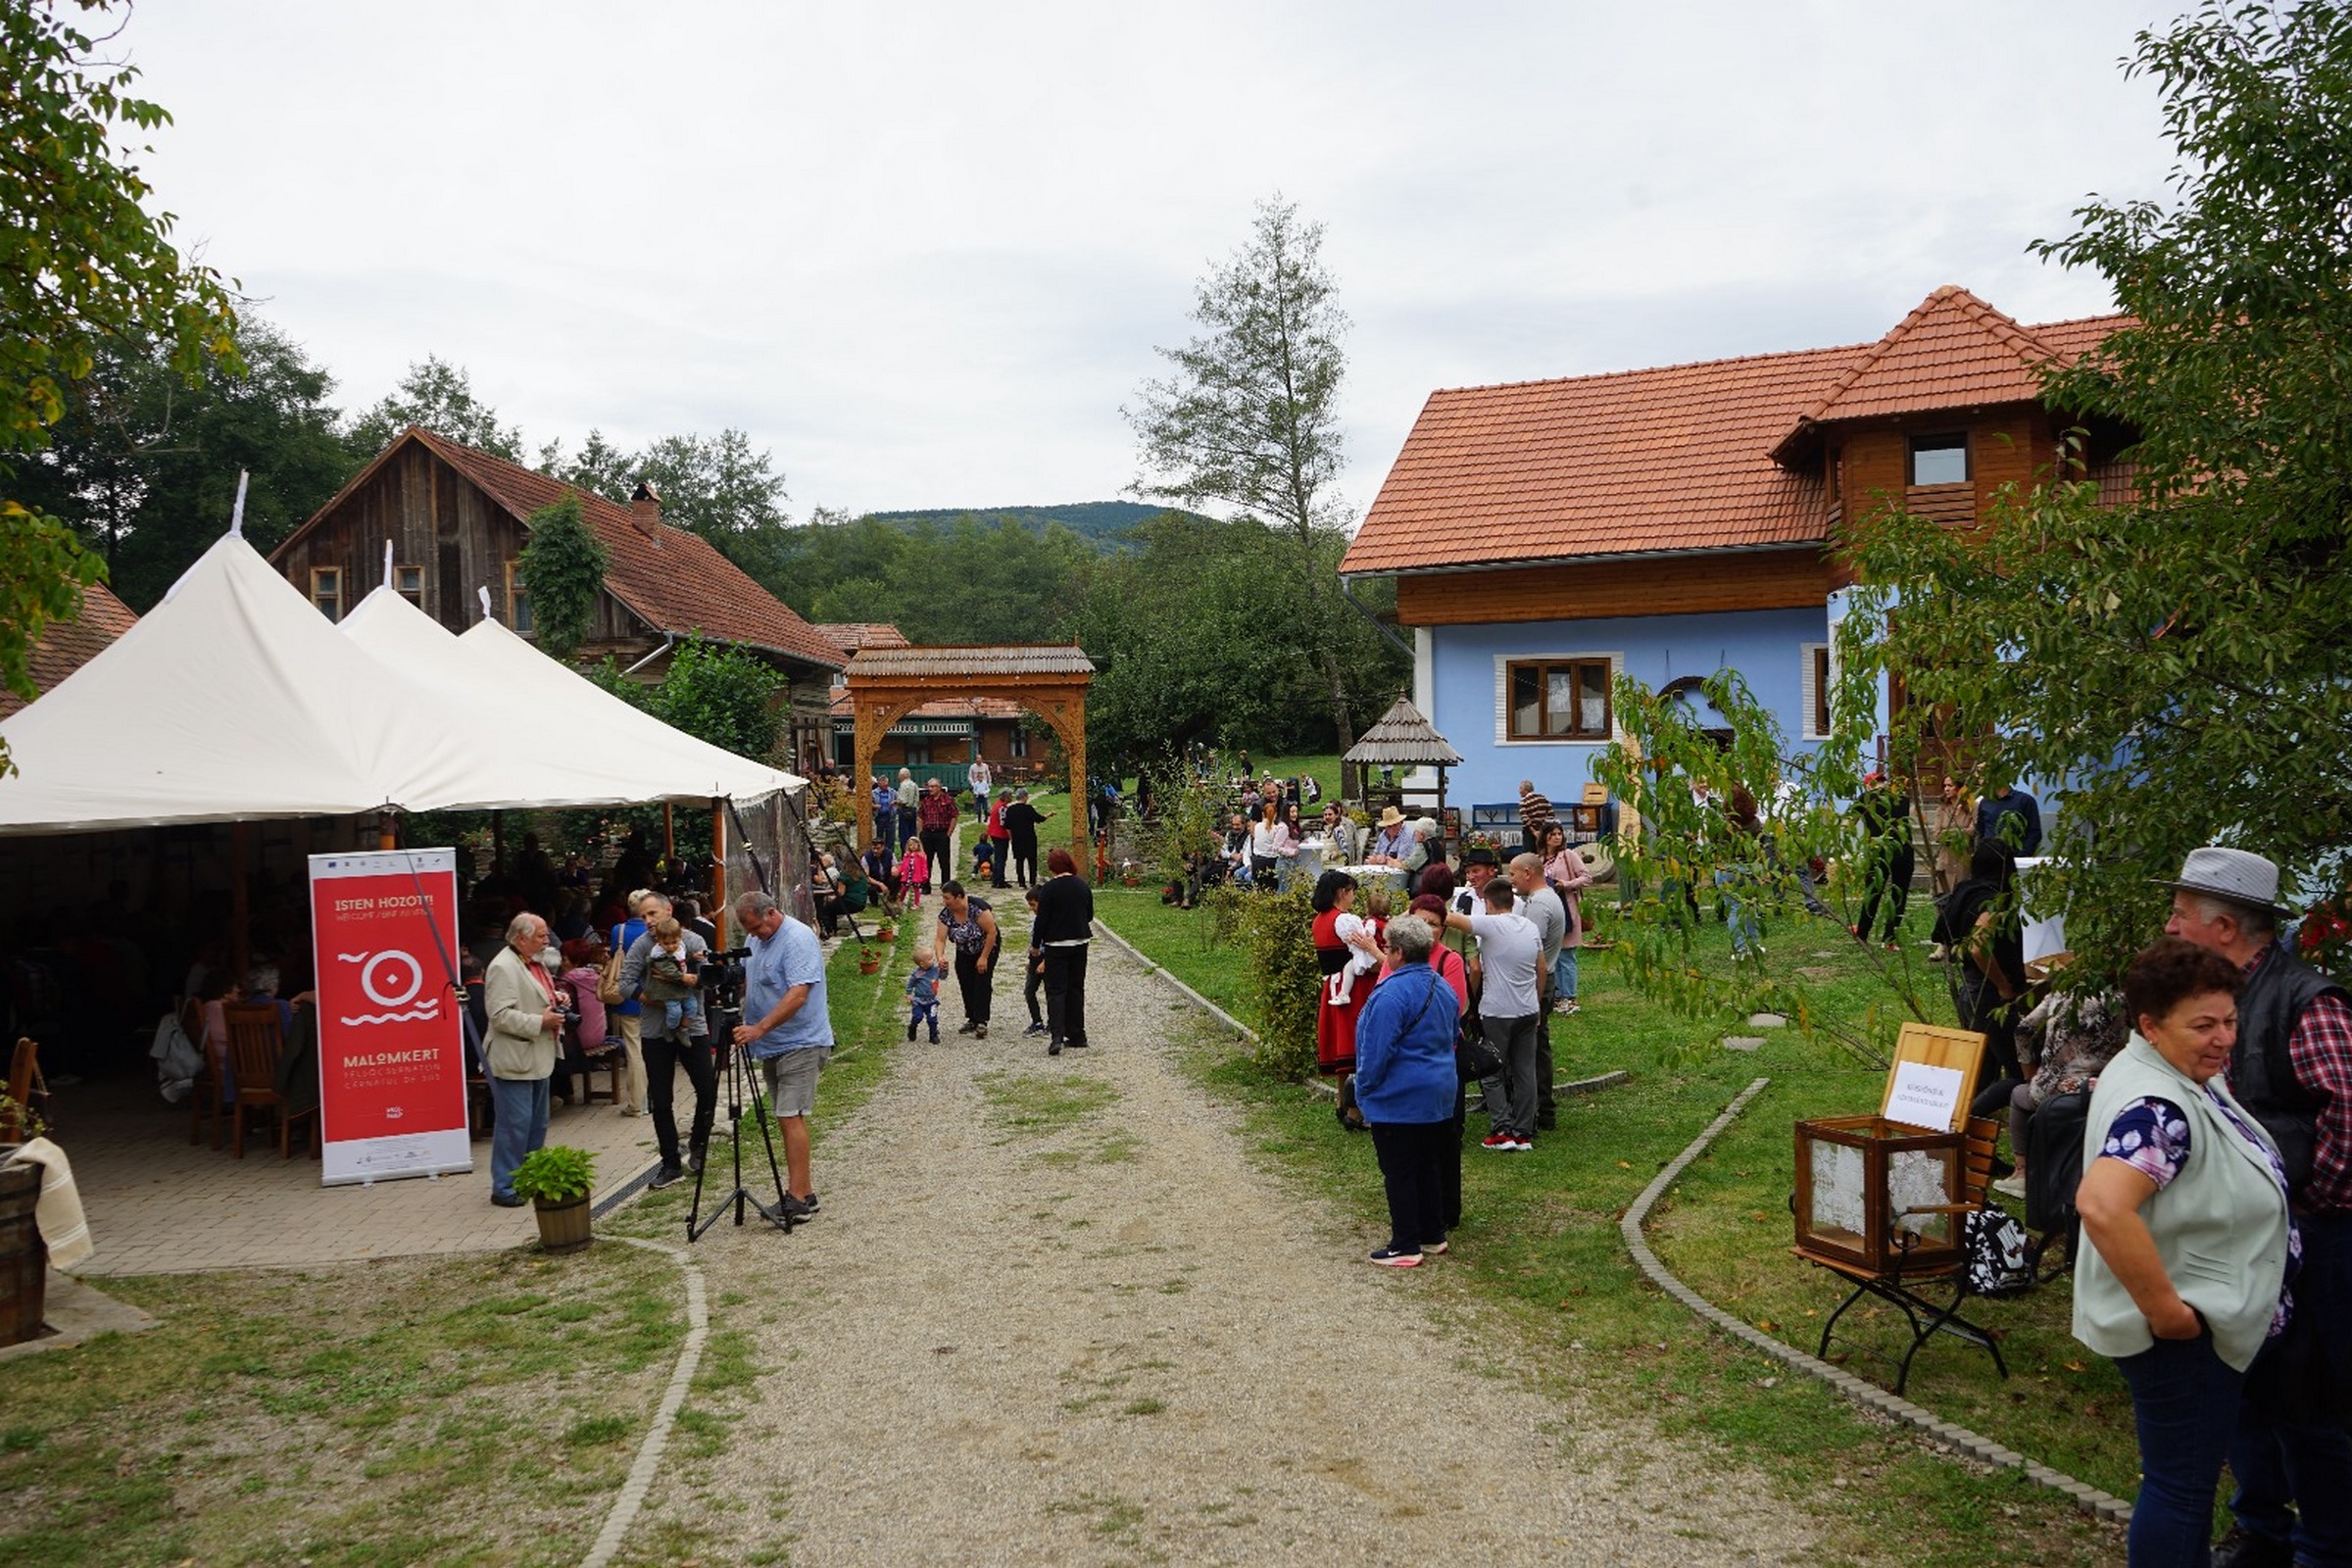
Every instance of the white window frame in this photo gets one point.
(1503, 697)
(1812, 694)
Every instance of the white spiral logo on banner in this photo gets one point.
(369, 963)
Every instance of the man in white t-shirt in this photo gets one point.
(1550, 916)
(1509, 950)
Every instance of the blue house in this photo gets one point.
(1546, 536)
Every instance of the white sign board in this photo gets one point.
(1925, 1096)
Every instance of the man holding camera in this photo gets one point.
(667, 1049)
(787, 1029)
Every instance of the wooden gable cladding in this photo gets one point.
(1869, 466)
(434, 520)
(440, 520)
(1659, 585)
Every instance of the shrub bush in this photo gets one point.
(1276, 934)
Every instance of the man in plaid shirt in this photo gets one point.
(2292, 1068)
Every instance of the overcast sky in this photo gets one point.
(923, 252)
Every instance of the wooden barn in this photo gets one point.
(456, 517)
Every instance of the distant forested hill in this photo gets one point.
(1099, 522)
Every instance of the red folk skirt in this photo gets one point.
(1334, 1025)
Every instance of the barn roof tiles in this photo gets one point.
(1680, 458)
(64, 646)
(850, 635)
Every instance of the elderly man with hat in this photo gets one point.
(1393, 844)
(2292, 1066)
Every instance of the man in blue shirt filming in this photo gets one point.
(786, 1029)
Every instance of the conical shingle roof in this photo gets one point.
(1404, 739)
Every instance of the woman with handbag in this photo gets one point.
(1406, 1084)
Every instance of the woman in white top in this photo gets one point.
(1269, 845)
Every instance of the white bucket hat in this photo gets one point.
(2237, 876)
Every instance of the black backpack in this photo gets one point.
(2054, 1161)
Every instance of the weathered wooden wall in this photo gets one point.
(439, 520)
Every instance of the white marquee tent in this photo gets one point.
(235, 699)
(593, 747)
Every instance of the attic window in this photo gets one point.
(408, 583)
(327, 591)
(1939, 459)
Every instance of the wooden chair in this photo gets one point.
(609, 1063)
(204, 1093)
(253, 1047)
(1901, 1287)
(23, 1074)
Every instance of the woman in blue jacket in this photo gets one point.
(1404, 1086)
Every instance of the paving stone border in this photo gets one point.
(1945, 1433)
(627, 1502)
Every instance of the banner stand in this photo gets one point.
(391, 1034)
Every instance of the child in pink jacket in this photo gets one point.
(914, 874)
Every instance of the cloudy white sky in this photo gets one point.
(923, 252)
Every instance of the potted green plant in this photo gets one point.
(556, 1180)
(868, 961)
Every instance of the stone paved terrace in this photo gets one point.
(159, 1204)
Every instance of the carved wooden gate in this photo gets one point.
(1050, 679)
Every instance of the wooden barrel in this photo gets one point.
(564, 1226)
(23, 1255)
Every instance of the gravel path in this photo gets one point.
(1054, 1313)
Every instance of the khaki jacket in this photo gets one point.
(517, 1047)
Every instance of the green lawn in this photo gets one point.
(476, 1409)
(1541, 1244)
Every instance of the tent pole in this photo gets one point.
(240, 909)
(718, 868)
(669, 831)
(386, 835)
(498, 842)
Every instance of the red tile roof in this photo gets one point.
(64, 646)
(1680, 458)
(850, 635)
(672, 579)
(1954, 351)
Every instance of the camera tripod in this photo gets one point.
(741, 1081)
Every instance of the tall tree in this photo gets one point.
(439, 396)
(2182, 661)
(1249, 417)
(81, 260)
(562, 570)
(144, 463)
(601, 469)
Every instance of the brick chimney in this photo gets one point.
(645, 508)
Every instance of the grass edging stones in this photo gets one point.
(1946, 1433)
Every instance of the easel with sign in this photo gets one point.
(1881, 1199)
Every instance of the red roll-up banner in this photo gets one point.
(391, 1037)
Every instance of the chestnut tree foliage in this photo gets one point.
(2179, 665)
(83, 260)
